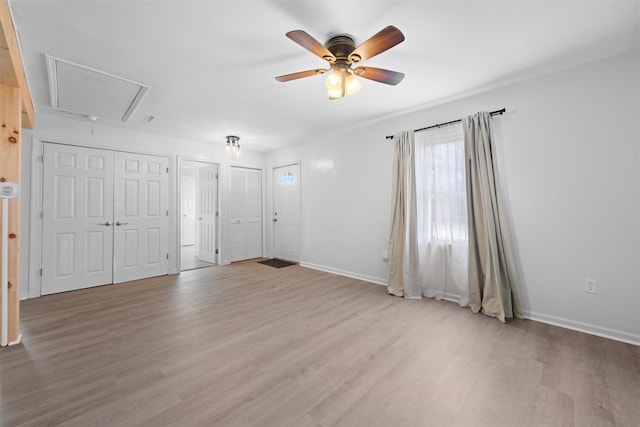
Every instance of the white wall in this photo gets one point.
(61, 129)
(569, 161)
(569, 156)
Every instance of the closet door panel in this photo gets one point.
(141, 207)
(253, 220)
(245, 213)
(77, 218)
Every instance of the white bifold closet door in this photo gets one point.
(104, 217)
(245, 213)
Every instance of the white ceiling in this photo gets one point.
(211, 64)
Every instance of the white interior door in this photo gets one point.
(188, 207)
(286, 212)
(207, 206)
(77, 218)
(245, 213)
(141, 214)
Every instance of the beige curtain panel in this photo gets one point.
(492, 288)
(403, 244)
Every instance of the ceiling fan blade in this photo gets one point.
(311, 44)
(300, 74)
(379, 75)
(378, 43)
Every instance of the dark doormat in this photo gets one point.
(277, 263)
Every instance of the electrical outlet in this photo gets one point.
(591, 286)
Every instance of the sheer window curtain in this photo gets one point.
(492, 287)
(442, 213)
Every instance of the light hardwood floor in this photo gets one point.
(248, 344)
(189, 260)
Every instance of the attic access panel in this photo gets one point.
(85, 91)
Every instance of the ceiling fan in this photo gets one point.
(341, 53)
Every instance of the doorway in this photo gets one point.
(286, 212)
(199, 214)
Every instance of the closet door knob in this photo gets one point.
(108, 224)
(121, 223)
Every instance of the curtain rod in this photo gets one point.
(493, 113)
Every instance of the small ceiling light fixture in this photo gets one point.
(233, 145)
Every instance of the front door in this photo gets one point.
(286, 212)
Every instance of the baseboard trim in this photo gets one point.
(575, 325)
(18, 341)
(587, 328)
(376, 280)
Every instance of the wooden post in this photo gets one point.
(16, 110)
(10, 137)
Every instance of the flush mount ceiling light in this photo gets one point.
(233, 144)
(341, 53)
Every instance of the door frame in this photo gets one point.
(35, 216)
(272, 248)
(178, 208)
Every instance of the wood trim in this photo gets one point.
(14, 75)
(10, 138)
(35, 226)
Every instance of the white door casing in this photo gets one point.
(141, 215)
(188, 209)
(245, 213)
(77, 218)
(207, 207)
(286, 212)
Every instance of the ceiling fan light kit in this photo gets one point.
(341, 53)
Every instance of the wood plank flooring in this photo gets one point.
(189, 260)
(248, 344)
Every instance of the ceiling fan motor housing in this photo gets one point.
(341, 46)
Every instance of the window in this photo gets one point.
(442, 212)
(440, 185)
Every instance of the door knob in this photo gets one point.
(275, 219)
(121, 223)
(108, 224)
